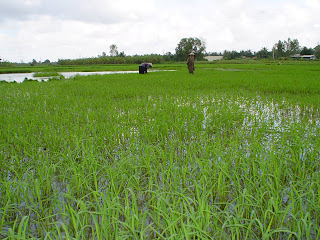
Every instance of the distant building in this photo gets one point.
(213, 58)
(298, 56)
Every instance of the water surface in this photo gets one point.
(20, 77)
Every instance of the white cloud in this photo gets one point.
(42, 29)
(104, 11)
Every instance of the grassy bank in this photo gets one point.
(46, 74)
(81, 68)
(231, 152)
(57, 68)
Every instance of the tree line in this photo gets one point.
(137, 59)
(280, 50)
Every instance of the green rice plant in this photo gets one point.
(46, 74)
(20, 233)
(230, 152)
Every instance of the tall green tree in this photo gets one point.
(231, 55)
(113, 50)
(317, 51)
(247, 53)
(187, 45)
(34, 62)
(263, 53)
(307, 51)
(292, 47)
(279, 49)
(286, 48)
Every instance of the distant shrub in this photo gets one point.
(137, 59)
(46, 74)
(6, 64)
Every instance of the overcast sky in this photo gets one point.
(62, 29)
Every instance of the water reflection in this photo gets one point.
(202, 130)
(20, 77)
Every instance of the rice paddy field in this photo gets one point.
(230, 152)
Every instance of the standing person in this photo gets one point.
(143, 67)
(190, 63)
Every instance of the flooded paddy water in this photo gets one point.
(20, 77)
(155, 159)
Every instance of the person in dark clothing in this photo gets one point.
(190, 63)
(143, 67)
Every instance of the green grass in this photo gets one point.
(221, 154)
(46, 74)
(58, 68)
